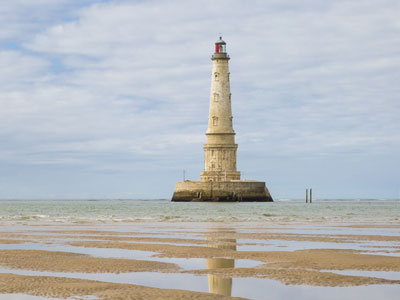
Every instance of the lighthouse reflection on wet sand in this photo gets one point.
(220, 181)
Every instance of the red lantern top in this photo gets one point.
(220, 46)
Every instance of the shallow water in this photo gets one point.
(84, 211)
(378, 274)
(28, 297)
(250, 288)
(24, 297)
(183, 263)
(163, 219)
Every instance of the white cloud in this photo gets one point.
(19, 70)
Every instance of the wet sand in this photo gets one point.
(67, 287)
(290, 256)
(56, 261)
(332, 259)
(4, 241)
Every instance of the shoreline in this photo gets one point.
(315, 255)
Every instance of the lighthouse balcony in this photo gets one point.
(220, 56)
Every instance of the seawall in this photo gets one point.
(223, 191)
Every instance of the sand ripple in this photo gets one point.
(39, 260)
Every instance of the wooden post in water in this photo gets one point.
(306, 195)
(310, 195)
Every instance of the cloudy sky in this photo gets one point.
(109, 99)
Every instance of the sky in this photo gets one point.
(109, 99)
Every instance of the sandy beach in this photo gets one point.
(156, 260)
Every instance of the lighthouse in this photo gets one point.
(220, 148)
(220, 180)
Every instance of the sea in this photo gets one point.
(163, 210)
(161, 218)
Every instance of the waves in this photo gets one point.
(125, 211)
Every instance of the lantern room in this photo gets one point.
(220, 46)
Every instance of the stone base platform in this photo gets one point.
(221, 191)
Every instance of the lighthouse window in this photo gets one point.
(216, 97)
(216, 76)
(215, 121)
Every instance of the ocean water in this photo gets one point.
(116, 210)
(207, 222)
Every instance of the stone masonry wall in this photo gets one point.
(221, 191)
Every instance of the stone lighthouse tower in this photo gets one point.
(220, 147)
(220, 180)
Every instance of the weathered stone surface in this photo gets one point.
(224, 191)
(220, 148)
